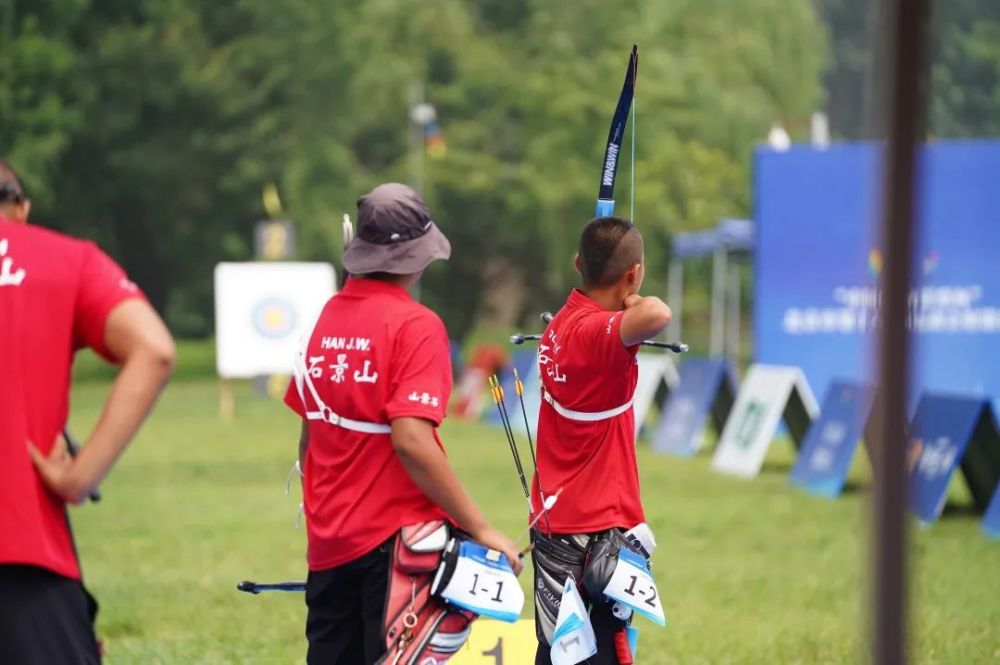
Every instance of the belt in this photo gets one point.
(328, 416)
(586, 416)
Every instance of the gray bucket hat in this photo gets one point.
(395, 234)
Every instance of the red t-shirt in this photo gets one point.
(56, 293)
(585, 367)
(374, 355)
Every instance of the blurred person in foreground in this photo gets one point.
(371, 385)
(586, 429)
(57, 295)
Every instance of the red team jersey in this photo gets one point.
(585, 367)
(374, 355)
(56, 293)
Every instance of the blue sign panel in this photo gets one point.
(940, 435)
(991, 520)
(828, 449)
(706, 386)
(818, 262)
(523, 360)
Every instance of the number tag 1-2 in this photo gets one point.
(484, 583)
(631, 584)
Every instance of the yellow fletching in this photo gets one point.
(518, 386)
(495, 388)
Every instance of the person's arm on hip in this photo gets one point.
(136, 336)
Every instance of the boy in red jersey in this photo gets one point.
(586, 429)
(59, 294)
(371, 388)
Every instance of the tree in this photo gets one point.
(168, 116)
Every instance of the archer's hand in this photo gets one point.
(57, 471)
(632, 300)
(495, 540)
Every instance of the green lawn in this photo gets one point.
(750, 571)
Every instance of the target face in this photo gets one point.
(274, 318)
(261, 311)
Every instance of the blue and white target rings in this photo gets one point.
(274, 318)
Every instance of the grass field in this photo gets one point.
(750, 571)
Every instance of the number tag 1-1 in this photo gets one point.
(631, 584)
(484, 583)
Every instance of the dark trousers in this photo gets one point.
(45, 618)
(346, 604)
(554, 558)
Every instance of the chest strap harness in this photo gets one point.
(585, 416)
(304, 382)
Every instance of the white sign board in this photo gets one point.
(261, 311)
(760, 404)
(632, 585)
(483, 582)
(654, 369)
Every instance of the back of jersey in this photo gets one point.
(55, 295)
(38, 283)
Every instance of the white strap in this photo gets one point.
(303, 381)
(585, 416)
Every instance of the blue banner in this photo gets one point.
(818, 262)
(940, 434)
(829, 446)
(991, 520)
(523, 360)
(706, 387)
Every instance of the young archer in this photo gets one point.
(371, 386)
(586, 429)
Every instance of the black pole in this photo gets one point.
(903, 35)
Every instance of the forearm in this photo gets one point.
(644, 317)
(429, 469)
(132, 396)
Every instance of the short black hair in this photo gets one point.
(609, 246)
(10, 185)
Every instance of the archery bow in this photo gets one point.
(606, 193)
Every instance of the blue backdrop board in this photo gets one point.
(706, 388)
(948, 432)
(532, 397)
(818, 261)
(831, 441)
(991, 520)
(523, 360)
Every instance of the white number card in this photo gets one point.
(484, 583)
(631, 584)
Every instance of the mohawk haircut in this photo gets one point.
(10, 184)
(609, 246)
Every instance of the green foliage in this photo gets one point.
(151, 126)
(195, 361)
(965, 68)
(966, 76)
(37, 115)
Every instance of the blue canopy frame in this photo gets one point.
(730, 239)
